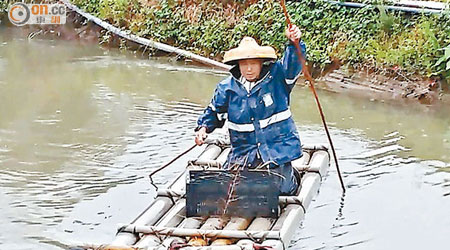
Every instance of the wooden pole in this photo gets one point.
(173, 231)
(308, 77)
(145, 42)
(172, 161)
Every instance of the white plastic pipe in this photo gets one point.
(171, 219)
(153, 213)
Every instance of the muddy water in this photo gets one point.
(81, 128)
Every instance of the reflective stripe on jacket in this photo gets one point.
(259, 122)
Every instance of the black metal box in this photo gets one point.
(239, 193)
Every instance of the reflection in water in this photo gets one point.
(81, 128)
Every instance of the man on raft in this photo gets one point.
(255, 99)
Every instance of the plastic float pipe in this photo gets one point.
(235, 223)
(260, 223)
(308, 77)
(211, 153)
(145, 42)
(318, 164)
(302, 161)
(187, 223)
(149, 217)
(208, 163)
(218, 163)
(211, 224)
(286, 224)
(223, 156)
(171, 219)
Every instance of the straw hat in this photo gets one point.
(249, 49)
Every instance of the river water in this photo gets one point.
(81, 128)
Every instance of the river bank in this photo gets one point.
(406, 69)
(386, 42)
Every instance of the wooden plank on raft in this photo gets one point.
(208, 233)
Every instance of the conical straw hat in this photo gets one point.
(249, 49)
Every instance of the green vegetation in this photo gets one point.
(371, 37)
(3, 6)
(3, 9)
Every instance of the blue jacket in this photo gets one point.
(259, 122)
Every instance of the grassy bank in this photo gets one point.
(3, 10)
(368, 38)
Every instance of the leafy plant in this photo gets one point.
(386, 20)
(3, 9)
(369, 37)
(443, 64)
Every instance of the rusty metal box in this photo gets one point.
(239, 193)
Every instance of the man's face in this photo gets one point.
(250, 68)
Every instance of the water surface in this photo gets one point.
(82, 127)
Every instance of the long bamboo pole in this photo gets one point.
(144, 41)
(308, 77)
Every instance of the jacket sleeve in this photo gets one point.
(216, 113)
(291, 64)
